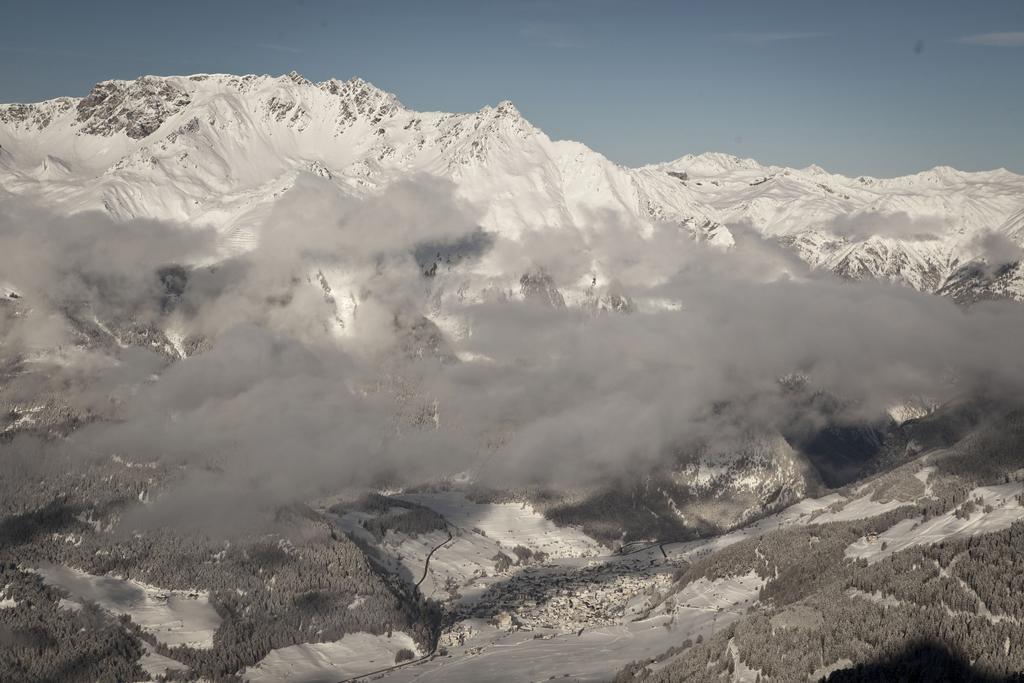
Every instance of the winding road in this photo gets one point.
(429, 655)
(426, 565)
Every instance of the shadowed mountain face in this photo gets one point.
(431, 256)
(921, 662)
(841, 454)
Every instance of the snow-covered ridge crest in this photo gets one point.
(220, 149)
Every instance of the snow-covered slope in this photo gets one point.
(216, 149)
(221, 149)
(916, 229)
(729, 487)
(174, 617)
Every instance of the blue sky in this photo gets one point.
(879, 88)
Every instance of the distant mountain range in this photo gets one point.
(220, 150)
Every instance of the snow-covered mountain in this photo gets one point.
(225, 151)
(526, 387)
(220, 150)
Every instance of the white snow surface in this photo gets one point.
(219, 150)
(467, 559)
(354, 655)
(535, 652)
(466, 556)
(155, 664)
(834, 507)
(174, 617)
(1006, 509)
(596, 653)
(510, 524)
(7, 602)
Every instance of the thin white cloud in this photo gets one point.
(1008, 39)
(759, 37)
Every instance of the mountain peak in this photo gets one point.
(297, 78)
(506, 108)
(709, 163)
(136, 107)
(361, 92)
(184, 134)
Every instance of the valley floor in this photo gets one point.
(526, 600)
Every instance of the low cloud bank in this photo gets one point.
(290, 401)
(858, 227)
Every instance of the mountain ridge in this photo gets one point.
(13, 110)
(218, 149)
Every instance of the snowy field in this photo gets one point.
(6, 601)
(354, 655)
(834, 507)
(174, 617)
(735, 592)
(596, 653)
(1006, 510)
(510, 524)
(155, 664)
(701, 608)
(467, 556)
(807, 511)
(465, 563)
(858, 508)
(540, 653)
